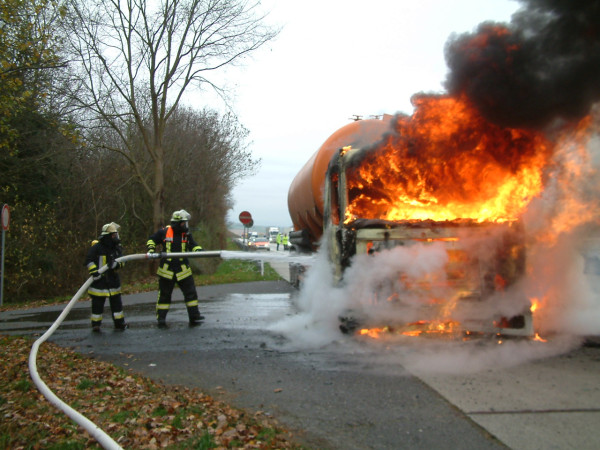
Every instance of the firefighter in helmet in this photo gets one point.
(175, 238)
(105, 251)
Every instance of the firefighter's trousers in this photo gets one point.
(116, 307)
(165, 291)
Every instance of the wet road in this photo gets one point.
(343, 395)
(328, 399)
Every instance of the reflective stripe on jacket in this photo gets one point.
(103, 253)
(173, 243)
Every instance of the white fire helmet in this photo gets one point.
(181, 216)
(110, 228)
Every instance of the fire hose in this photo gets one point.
(103, 439)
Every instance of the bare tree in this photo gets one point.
(210, 157)
(136, 59)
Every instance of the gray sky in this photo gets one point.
(332, 60)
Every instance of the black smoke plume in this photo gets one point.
(542, 66)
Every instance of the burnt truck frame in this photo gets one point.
(472, 280)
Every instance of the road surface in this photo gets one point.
(349, 393)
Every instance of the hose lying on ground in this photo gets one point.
(103, 439)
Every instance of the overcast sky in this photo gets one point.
(334, 59)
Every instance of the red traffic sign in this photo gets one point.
(5, 217)
(245, 217)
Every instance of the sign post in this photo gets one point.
(5, 219)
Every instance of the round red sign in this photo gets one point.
(5, 217)
(245, 217)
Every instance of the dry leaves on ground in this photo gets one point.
(135, 411)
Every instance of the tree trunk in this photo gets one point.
(158, 218)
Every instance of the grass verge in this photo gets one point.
(227, 271)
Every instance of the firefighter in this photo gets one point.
(175, 238)
(104, 251)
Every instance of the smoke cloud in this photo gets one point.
(544, 65)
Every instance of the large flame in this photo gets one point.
(474, 156)
(446, 162)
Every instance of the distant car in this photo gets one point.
(259, 244)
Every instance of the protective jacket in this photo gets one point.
(104, 252)
(173, 240)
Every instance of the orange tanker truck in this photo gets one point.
(335, 203)
(306, 193)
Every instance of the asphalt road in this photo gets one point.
(348, 394)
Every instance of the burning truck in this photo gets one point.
(496, 180)
(430, 179)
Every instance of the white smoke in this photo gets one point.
(319, 304)
(383, 288)
(564, 250)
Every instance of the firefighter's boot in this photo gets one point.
(121, 325)
(96, 319)
(161, 318)
(194, 315)
(119, 321)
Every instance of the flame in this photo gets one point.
(372, 332)
(446, 162)
(572, 157)
(419, 328)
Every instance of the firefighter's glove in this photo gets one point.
(97, 276)
(114, 265)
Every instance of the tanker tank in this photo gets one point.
(305, 196)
